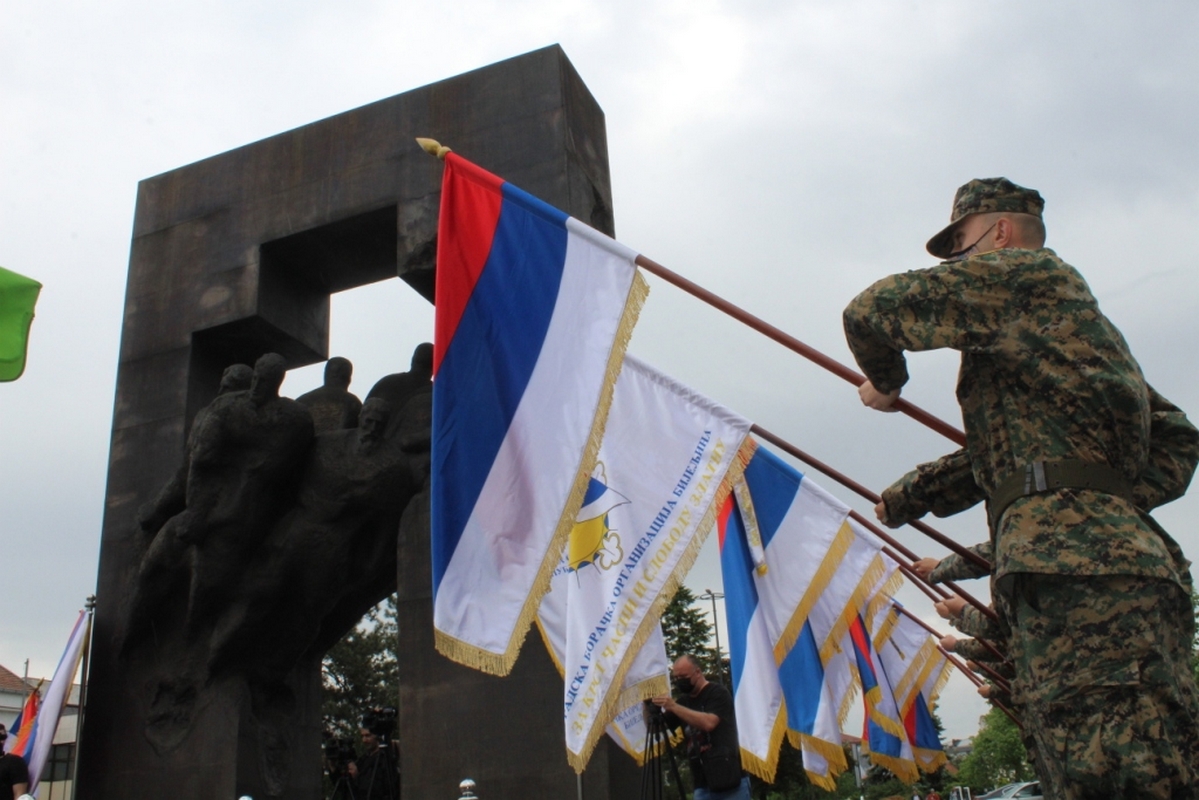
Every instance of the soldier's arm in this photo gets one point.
(944, 487)
(973, 622)
(1173, 454)
(950, 305)
(973, 650)
(955, 568)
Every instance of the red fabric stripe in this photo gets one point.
(722, 519)
(858, 634)
(470, 208)
(909, 721)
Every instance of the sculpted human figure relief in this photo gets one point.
(333, 406)
(399, 388)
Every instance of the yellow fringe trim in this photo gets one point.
(766, 768)
(889, 725)
(753, 532)
(857, 601)
(501, 664)
(901, 768)
(826, 782)
(611, 705)
(929, 761)
(942, 679)
(855, 687)
(820, 581)
(929, 659)
(916, 674)
(834, 754)
(884, 596)
(885, 629)
(638, 692)
(549, 648)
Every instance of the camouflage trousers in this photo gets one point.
(1103, 675)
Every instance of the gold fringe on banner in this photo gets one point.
(901, 768)
(930, 761)
(857, 601)
(917, 672)
(501, 663)
(610, 705)
(834, 754)
(768, 767)
(820, 581)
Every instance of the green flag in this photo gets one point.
(18, 295)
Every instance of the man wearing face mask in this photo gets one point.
(705, 711)
(1093, 595)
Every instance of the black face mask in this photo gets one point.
(683, 685)
(966, 252)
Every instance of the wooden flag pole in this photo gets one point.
(791, 343)
(999, 680)
(928, 590)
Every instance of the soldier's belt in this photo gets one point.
(1049, 476)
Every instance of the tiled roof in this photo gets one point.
(11, 682)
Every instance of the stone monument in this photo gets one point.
(211, 620)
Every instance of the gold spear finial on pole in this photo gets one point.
(432, 147)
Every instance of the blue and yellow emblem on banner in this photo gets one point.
(592, 540)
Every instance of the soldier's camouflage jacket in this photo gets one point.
(1044, 376)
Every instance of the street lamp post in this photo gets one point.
(711, 595)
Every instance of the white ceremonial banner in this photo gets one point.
(668, 458)
(648, 675)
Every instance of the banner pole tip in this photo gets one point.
(432, 147)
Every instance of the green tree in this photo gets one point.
(361, 671)
(998, 757)
(687, 630)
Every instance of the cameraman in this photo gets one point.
(705, 710)
(376, 773)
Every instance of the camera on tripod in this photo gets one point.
(339, 752)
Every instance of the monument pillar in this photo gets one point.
(236, 256)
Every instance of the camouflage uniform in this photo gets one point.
(955, 568)
(1097, 594)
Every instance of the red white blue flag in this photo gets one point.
(533, 313)
(20, 742)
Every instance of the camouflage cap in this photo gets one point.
(983, 196)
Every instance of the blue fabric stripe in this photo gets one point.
(740, 593)
(882, 742)
(773, 485)
(926, 730)
(489, 361)
(865, 669)
(802, 677)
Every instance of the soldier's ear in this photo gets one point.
(1003, 233)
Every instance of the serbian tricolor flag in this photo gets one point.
(46, 723)
(796, 573)
(533, 313)
(922, 729)
(20, 740)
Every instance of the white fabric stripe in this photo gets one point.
(759, 698)
(796, 552)
(496, 561)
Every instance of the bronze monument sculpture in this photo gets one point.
(278, 526)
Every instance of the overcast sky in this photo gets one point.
(783, 154)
